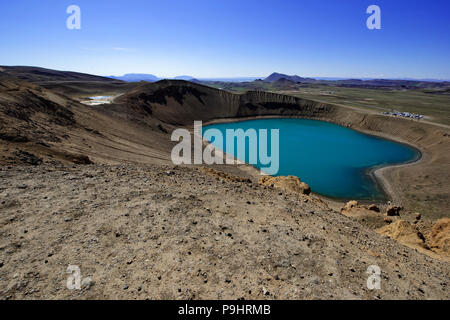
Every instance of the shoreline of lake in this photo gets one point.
(376, 173)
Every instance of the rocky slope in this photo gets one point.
(180, 103)
(39, 125)
(40, 75)
(65, 82)
(163, 232)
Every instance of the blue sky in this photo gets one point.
(213, 38)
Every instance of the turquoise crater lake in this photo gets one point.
(335, 161)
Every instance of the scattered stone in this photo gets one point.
(387, 220)
(393, 210)
(28, 158)
(349, 205)
(287, 183)
(87, 283)
(223, 175)
(68, 219)
(161, 128)
(78, 159)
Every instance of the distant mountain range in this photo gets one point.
(187, 78)
(34, 74)
(274, 78)
(235, 79)
(136, 77)
(402, 79)
(278, 76)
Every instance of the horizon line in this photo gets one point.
(246, 77)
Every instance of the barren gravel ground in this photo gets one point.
(160, 232)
